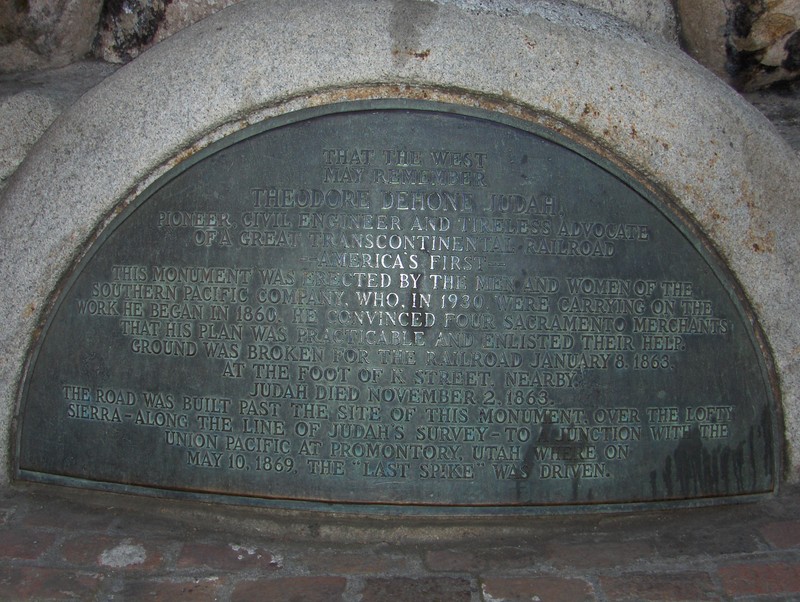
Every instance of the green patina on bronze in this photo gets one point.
(405, 305)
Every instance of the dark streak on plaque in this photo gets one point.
(401, 304)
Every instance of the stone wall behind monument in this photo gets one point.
(750, 44)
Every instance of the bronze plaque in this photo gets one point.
(402, 305)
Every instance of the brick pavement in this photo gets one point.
(63, 544)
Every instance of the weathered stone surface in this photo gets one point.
(127, 29)
(764, 43)
(23, 119)
(645, 102)
(39, 34)
(30, 102)
(703, 30)
(782, 109)
(654, 16)
(751, 44)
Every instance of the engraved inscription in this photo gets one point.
(410, 307)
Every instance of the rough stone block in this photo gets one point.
(41, 34)
(30, 102)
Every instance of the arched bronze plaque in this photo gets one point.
(401, 304)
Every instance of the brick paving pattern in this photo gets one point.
(63, 544)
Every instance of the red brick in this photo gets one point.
(524, 589)
(59, 515)
(331, 561)
(291, 589)
(453, 560)
(782, 535)
(24, 544)
(226, 556)
(32, 583)
(401, 589)
(500, 558)
(674, 587)
(678, 543)
(755, 579)
(199, 590)
(599, 555)
(102, 551)
(510, 558)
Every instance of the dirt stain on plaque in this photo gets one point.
(555, 455)
(700, 470)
